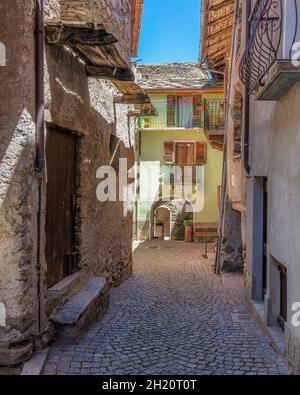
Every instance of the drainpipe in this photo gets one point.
(247, 100)
(39, 135)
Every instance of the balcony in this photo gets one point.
(214, 119)
(207, 115)
(173, 118)
(269, 67)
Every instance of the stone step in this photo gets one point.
(84, 309)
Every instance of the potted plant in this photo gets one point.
(188, 230)
(160, 229)
(200, 106)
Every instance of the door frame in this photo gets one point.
(154, 220)
(77, 136)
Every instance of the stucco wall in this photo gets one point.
(276, 153)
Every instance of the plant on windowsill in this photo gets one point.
(188, 230)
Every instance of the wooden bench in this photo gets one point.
(206, 230)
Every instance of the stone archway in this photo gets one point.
(178, 213)
(163, 213)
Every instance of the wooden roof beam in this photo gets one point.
(73, 35)
(222, 4)
(220, 21)
(109, 73)
(132, 99)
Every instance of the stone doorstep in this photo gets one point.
(274, 333)
(35, 365)
(60, 292)
(81, 311)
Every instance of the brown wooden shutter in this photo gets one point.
(169, 152)
(200, 158)
(171, 113)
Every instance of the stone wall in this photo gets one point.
(84, 106)
(232, 246)
(18, 185)
(114, 15)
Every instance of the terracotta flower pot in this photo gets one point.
(188, 234)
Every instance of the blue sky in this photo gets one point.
(170, 31)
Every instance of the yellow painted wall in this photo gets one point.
(152, 143)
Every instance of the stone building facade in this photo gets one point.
(260, 208)
(82, 121)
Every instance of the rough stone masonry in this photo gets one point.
(72, 103)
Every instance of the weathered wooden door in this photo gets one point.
(60, 205)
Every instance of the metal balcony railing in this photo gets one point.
(214, 120)
(208, 115)
(274, 28)
(173, 118)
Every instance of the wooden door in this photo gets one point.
(60, 205)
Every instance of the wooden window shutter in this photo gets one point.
(200, 158)
(169, 152)
(171, 113)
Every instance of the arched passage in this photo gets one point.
(177, 211)
(163, 215)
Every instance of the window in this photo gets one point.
(184, 111)
(184, 154)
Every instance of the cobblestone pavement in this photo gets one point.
(173, 316)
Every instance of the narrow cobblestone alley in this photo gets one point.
(173, 316)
